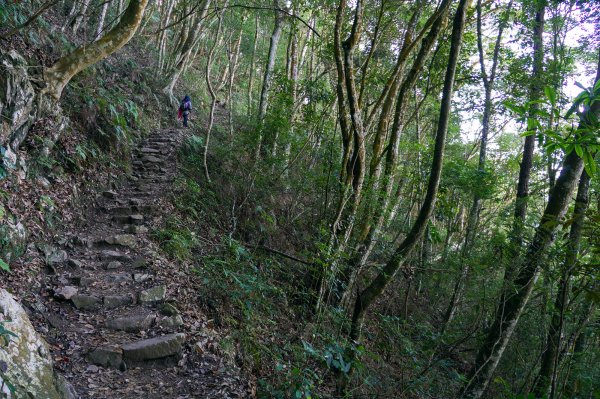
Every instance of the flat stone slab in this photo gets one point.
(66, 292)
(154, 294)
(115, 264)
(133, 323)
(152, 159)
(125, 240)
(85, 302)
(136, 219)
(139, 262)
(141, 277)
(153, 348)
(114, 255)
(106, 356)
(83, 281)
(133, 229)
(118, 278)
(171, 321)
(116, 301)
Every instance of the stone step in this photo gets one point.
(134, 219)
(133, 229)
(132, 323)
(95, 301)
(153, 159)
(153, 348)
(153, 295)
(111, 276)
(122, 240)
(110, 255)
(152, 351)
(131, 209)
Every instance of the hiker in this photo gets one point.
(184, 110)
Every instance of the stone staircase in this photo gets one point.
(114, 321)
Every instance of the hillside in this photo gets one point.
(371, 199)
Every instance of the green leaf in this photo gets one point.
(589, 163)
(579, 150)
(517, 109)
(551, 94)
(4, 266)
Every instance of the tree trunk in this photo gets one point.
(528, 149)
(101, 18)
(546, 381)
(213, 90)
(187, 48)
(514, 299)
(252, 67)
(80, 16)
(234, 56)
(268, 75)
(58, 75)
(163, 35)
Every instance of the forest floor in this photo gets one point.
(121, 319)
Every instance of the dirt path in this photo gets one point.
(122, 324)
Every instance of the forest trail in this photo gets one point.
(124, 326)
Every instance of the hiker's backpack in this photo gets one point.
(185, 106)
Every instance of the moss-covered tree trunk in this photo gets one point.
(372, 292)
(58, 75)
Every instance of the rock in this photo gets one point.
(116, 301)
(117, 278)
(126, 240)
(82, 281)
(154, 294)
(139, 262)
(85, 302)
(106, 356)
(16, 104)
(121, 219)
(152, 159)
(56, 258)
(92, 368)
(75, 264)
(66, 292)
(153, 348)
(168, 310)
(109, 194)
(27, 358)
(115, 264)
(172, 321)
(133, 323)
(133, 229)
(14, 236)
(136, 219)
(113, 255)
(44, 182)
(141, 277)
